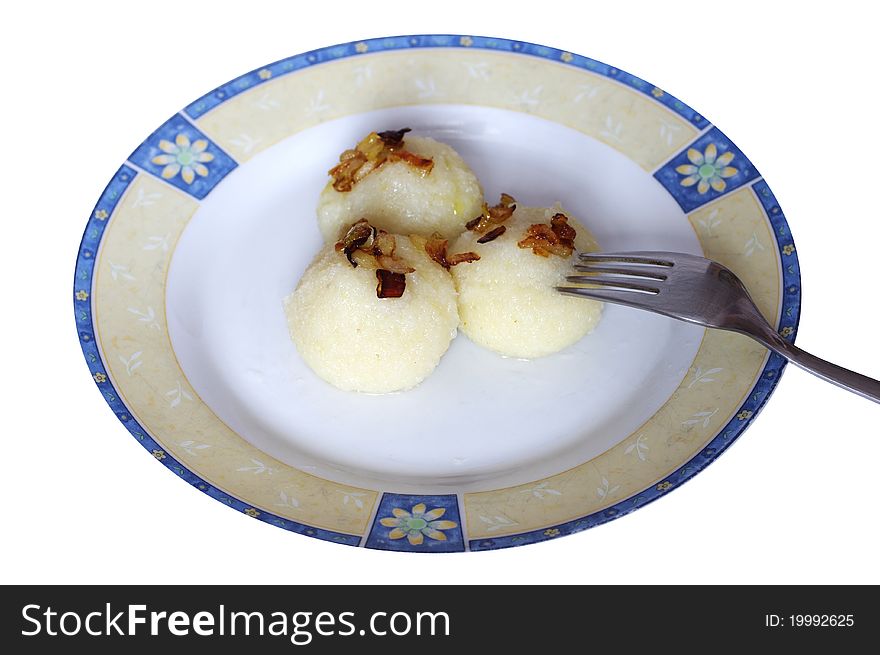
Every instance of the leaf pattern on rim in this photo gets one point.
(266, 102)
(478, 70)
(287, 500)
(120, 272)
(427, 88)
(177, 395)
(245, 142)
(606, 490)
(497, 522)
(157, 243)
(586, 92)
(144, 199)
(147, 316)
(362, 74)
(703, 418)
(668, 132)
(639, 447)
(703, 377)
(191, 446)
(133, 362)
(541, 490)
(317, 105)
(353, 497)
(529, 98)
(753, 245)
(612, 128)
(257, 467)
(709, 223)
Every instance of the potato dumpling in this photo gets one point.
(358, 341)
(507, 301)
(401, 195)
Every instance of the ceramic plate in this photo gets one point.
(211, 221)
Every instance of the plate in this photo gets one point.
(210, 222)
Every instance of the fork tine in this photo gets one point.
(611, 282)
(632, 271)
(617, 296)
(647, 258)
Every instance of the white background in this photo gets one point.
(795, 500)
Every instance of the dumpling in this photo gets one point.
(373, 313)
(414, 185)
(507, 301)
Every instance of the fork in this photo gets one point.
(701, 291)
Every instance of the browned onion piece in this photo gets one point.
(344, 172)
(491, 235)
(393, 138)
(494, 215)
(359, 236)
(554, 239)
(462, 258)
(437, 249)
(391, 285)
(424, 164)
(565, 232)
(471, 224)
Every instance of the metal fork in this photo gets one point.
(700, 291)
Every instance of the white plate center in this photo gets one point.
(479, 421)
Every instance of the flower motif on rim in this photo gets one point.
(417, 524)
(184, 157)
(707, 169)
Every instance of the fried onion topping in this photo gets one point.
(364, 245)
(376, 149)
(438, 249)
(494, 216)
(554, 239)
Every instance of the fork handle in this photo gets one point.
(850, 380)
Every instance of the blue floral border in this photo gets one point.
(767, 381)
(176, 126)
(690, 198)
(448, 538)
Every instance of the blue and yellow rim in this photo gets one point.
(138, 164)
